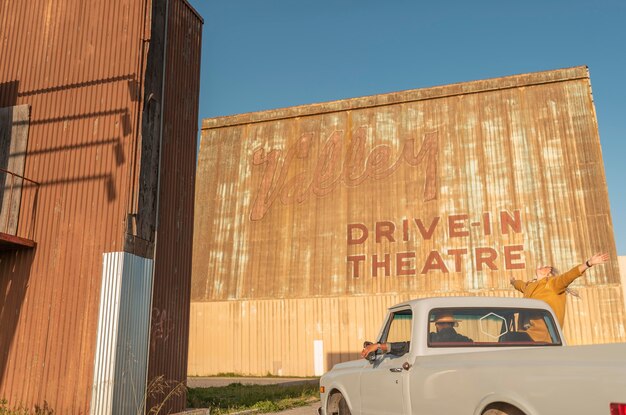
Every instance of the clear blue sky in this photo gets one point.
(265, 54)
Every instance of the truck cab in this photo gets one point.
(496, 323)
(475, 356)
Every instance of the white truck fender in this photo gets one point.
(337, 387)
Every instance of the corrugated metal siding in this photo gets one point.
(120, 366)
(170, 312)
(108, 320)
(529, 156)
(80, 65)
(72, 61)
(277, 336)
(458, 187)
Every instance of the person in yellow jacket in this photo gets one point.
(552, 289)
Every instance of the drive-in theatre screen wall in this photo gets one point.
(311, 220)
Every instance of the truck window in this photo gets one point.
(399, 327)
(491, 327)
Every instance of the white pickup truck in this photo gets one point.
(477, 356)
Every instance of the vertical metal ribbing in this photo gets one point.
(120, 367)
(108, 317)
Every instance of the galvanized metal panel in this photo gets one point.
(132, 346)
(452, 189)
(108, 320)
(120, 367)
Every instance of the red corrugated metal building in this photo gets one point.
(98, 129)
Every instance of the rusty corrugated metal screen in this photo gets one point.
(172, 279)
(452, 189)
(458, 188)
(77, 64)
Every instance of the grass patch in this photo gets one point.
(239, 375)
(5, 409)
(263, 398)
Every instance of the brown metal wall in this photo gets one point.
(172, 278)
(72, 61)
(458, 187)
(79, 64)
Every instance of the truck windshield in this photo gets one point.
(491, 327)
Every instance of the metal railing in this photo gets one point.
(18, 203)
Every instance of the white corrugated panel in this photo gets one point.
(120, 366)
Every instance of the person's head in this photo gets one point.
(543, 272)
(445, 320)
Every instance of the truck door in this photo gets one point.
(382, 382)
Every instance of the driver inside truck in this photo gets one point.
(445, 324)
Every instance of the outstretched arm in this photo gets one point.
(596, 259)
(561, 282)
(519, 285)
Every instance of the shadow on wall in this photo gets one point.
(332, 359)
(13, 287)
(16, 265)
(9, 95)
(141, 219)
